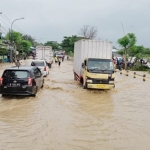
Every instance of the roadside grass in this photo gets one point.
(139, 67)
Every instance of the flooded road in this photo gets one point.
(63, 116)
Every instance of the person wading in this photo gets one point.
(59, 61)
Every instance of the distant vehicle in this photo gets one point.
(42, 65)
(59, 54)
(93, 65)
(45, 53)
(145, 63)
(25, 80)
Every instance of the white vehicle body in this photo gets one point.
(59, 54)
(84, 49)
(42, 65)
(44, 53)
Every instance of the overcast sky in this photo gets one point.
(51, 20)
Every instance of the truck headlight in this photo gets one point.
(90, 81)
(111, 81)
(109, 75)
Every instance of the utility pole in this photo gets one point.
(0, 35)
(123, 29)
(12, 36)
(125, 50)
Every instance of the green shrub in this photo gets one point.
(70, 54)
(139, 67)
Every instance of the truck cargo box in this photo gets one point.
(45, 53)
(90, 49)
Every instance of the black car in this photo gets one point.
(25, 80)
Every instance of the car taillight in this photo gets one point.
(1, 81)
(30, 81)
(44, 68)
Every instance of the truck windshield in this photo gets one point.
(100, 64)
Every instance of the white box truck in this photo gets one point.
(93, 65)
(45, 53)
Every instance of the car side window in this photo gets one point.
(37, 72)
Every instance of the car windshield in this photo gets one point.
(100, 64)
(37, 63)
(15, 74)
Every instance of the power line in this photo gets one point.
(10, 22)
(4, 22)
(4, 29)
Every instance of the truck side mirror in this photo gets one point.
(83, 66)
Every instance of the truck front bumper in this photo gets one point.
(100, 86)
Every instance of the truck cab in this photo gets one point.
(98, 73)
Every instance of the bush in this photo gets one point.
(3, 51)
(139, 67)
(70, 54)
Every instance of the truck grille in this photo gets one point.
(95, 81)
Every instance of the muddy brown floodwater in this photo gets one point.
(63, 116)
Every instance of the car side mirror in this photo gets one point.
(32, 64)
(83, 66)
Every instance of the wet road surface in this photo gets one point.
(63, 116)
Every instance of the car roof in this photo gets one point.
(21, 68)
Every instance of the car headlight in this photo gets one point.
(90, 81)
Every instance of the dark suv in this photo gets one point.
(25, 80)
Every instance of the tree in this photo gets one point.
(3, 51)
(24, 46)
(68, 43)
(127, 42)
(29, 38)
(53, 44)
(89, 32)
(136, 50)
(14, 36)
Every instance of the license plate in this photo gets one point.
(14, 84)
(100, 86)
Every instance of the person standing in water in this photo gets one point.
(59, 61)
